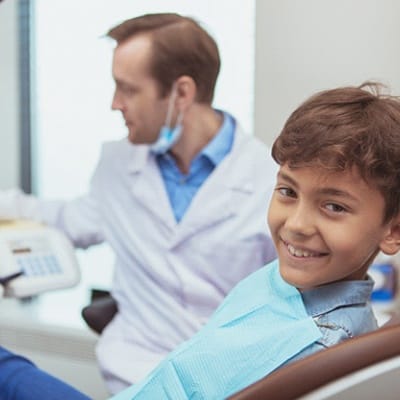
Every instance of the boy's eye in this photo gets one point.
(335, 208)
(286, 192)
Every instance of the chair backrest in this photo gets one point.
(301, 377)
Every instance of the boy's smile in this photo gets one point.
(326, 226)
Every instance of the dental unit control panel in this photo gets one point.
(35, 258)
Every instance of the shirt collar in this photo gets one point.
(221, 143)
(323, 299)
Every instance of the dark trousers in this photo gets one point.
(20, 379)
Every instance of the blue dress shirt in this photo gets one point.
(182, 188)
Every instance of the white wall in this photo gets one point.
(9, 140)
(308, 45)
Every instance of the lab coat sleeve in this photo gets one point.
(78, 218)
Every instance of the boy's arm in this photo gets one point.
(22, 380)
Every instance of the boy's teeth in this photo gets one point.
(299, 253)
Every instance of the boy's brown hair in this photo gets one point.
(180, 46)
(344, 128)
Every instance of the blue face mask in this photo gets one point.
(168, 135)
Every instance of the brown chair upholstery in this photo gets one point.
(301, 377)
(99, 313)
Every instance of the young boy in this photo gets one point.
(336, 205)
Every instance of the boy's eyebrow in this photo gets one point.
(286, 177)
(324, 190)
(337, 193)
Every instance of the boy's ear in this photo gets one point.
(390, 244)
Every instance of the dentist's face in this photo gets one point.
(136, 92)
(326, 226)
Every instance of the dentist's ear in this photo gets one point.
(390, 244)
(186, 92)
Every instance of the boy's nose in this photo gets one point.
(301, 221)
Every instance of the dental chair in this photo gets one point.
(364, 367)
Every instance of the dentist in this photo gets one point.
(182, 200)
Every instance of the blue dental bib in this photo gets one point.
(260, 325)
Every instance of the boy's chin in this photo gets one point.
(296, 279)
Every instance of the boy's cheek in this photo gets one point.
(274, 215)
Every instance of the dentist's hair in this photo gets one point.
(180, 46)
(344, 128)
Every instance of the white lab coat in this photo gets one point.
(169, 276)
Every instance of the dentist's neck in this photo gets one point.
(200, 124)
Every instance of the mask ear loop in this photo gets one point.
(178, 122)
(171, 106)
(180, 118)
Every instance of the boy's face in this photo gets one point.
(326, 226)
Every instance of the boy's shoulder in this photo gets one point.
(341, 310)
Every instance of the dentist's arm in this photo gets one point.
(77, 218)
(14, 204)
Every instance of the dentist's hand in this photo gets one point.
(16, 204)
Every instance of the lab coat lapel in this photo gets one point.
(149, 189)
(220, 197)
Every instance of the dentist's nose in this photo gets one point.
(116, 103)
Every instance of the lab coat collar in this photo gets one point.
(235, 179)
(138, 158)
(219, 198)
